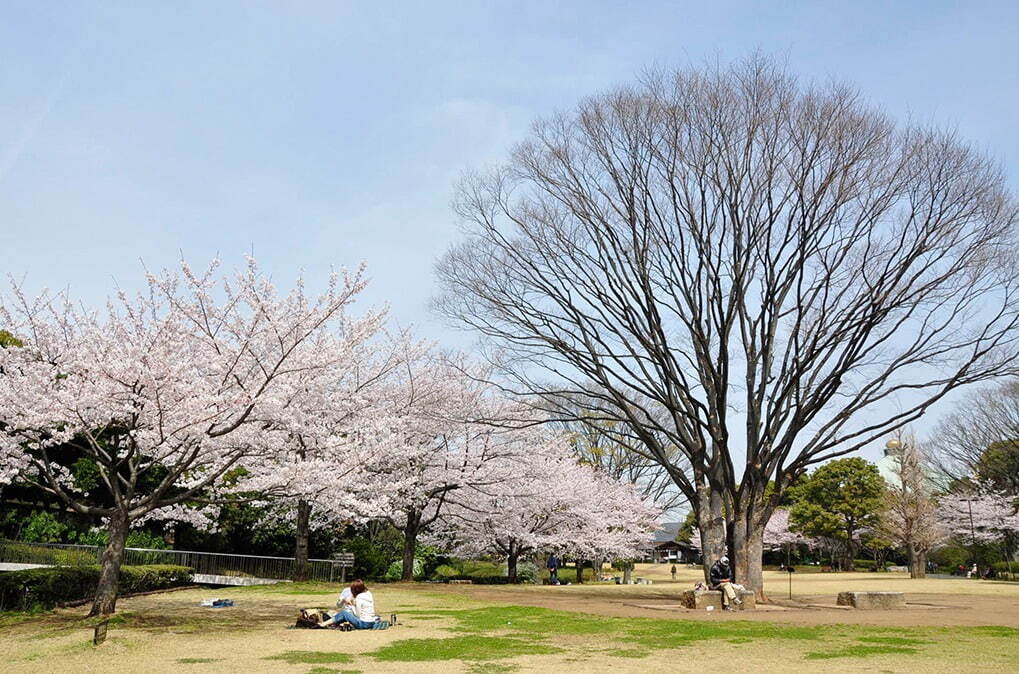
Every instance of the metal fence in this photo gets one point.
(205, 563)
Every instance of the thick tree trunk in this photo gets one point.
(511, 564)
(917, 563)
(105, 601)
(748, 553)
(410, 540)
(627, 572)
(303, 534)
(711, 524)
(580, 571)
(852, 548)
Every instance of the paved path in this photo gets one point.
(11, 566)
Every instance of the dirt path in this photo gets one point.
(923, 608)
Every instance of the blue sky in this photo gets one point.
(324, 134)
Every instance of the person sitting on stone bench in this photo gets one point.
(720, 576)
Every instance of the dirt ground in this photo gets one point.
(931, 601)
(171, 633)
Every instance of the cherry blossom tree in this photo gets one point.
(778, 535)
(545, 502)
(322, 466)
(438, 434)
(982, 516)
(163, 393)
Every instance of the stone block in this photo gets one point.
(872, 600)
(702, 599)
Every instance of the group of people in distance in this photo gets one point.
(987, 573)
(356, 608)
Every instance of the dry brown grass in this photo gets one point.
(172, 633)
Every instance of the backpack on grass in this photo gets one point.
(310, 619)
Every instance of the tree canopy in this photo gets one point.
(838, 501)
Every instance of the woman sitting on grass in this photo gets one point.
(361, 615)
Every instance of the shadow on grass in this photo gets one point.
(313, 657)
(860, 651)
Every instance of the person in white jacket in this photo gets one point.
(361, 615)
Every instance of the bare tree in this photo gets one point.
(596, 446)
(980, 439)
(744, 267)
(911, 516)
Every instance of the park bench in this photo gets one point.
(872, 600)
(702, 599)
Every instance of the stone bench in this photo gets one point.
(702, 599)
(872, 600)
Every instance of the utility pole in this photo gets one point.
(972, 530)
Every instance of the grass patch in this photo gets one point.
(196, 661)
(861, 651)
(313, 657)
(892, 641)
(995, 631)
(471, 647)
(539, 624)
(11, 618)
(536, 623)
(660, 634)
(492, 668)
(627, 653)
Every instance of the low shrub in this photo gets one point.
(569, 574)
(1006, 567)
(868, 564)
(481, 569)
(45, 588)
(445, 572)
(395, 570)
(527, 572)
(28, 553)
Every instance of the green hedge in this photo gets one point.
(1005, 567)
(38, 554)
(45, 588)
(868, 564)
